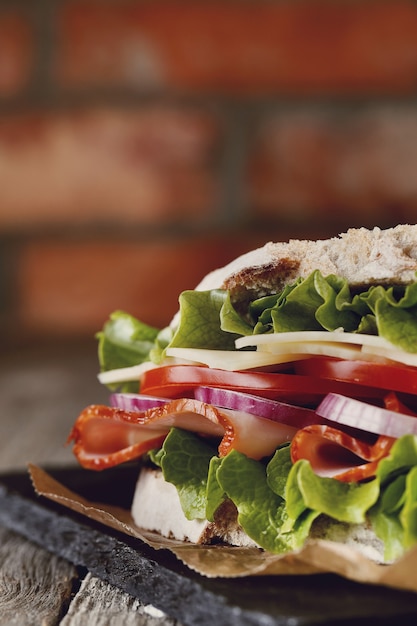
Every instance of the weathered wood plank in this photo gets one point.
(99, 604)
(42, 392)
(35, 586)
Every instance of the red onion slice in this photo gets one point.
(135, 401)
(367, 417)
(261, 407)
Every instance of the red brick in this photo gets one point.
(71, 288)
(67, 289)
(143, 166)
(16, 53)
(349, 167)
(309, 46)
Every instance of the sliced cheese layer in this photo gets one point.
(273, 349)
(337, 344)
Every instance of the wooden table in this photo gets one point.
(42, 390)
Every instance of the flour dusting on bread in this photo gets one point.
(361, 256)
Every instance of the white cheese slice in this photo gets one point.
(335, 344)
(312, 348)
(406, 358)
(273, 349)
(125, 374)
(307, 336)
(232, 360)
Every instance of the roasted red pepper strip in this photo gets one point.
(393, 403)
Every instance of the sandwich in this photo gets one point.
(279, 405)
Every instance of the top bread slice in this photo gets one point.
(363, 257)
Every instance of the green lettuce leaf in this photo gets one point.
(124, 341)
(395, 513)
(398, 325)
(402, 457)
(261, 512)
(208, 319)
(385, 518)
(278, 470)
(408, 514)
(337, 310)
(260, 310)
(215, 493)
(162, 341)
(345, 502)
(185, 460)
(326, 303)
(278, 501)
(298, 310)
(231, 321)
(199, 325)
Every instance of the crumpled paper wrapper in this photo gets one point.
(316, 557)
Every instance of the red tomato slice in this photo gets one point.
(379, 375)
(174, 381)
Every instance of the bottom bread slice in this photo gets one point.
(156, 507)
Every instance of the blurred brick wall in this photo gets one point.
(143, 144)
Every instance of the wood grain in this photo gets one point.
(35, 586)
(99, 604)
(42, 392)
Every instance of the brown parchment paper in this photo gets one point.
(315, 557)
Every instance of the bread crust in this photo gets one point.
(156, 507)
(363, 257)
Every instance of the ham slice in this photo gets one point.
(106, 436)
(335, 453)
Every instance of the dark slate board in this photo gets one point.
(158, 578)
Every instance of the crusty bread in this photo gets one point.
(156, 507)
(362, 256)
